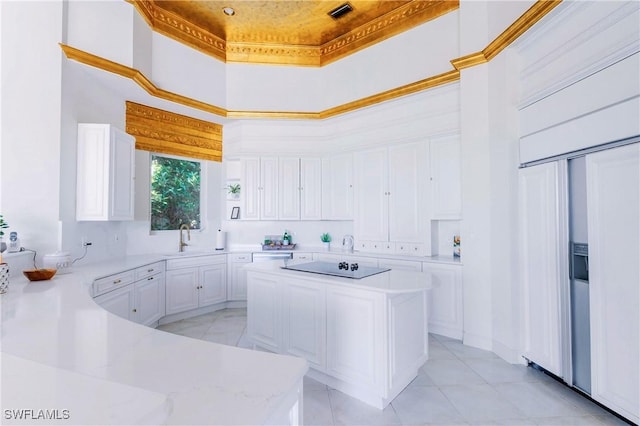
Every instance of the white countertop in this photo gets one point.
(56, 341)
(393, 281)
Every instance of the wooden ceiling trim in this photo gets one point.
(527, 20)
(166, 132)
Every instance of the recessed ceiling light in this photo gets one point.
(229, 11)
(340, 11)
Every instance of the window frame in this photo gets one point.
(203, 190)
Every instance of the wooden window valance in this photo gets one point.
(169, 133)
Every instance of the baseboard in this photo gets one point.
(476, 341)
(512, 356)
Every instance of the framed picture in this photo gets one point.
(235, 213)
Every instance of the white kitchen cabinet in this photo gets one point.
(264, 318)
(391, 194)
(105, 173)
(540, 230)
(310, 189)
(237, 276)
(354, 336)
(119, 302)
(142, 300)
(446, 182)
(613, 204)
(195, 282)
(285, 188)
(303, 322)
(289, 188)
(337, 187)
(371, 200)
(445, 299)
(259, 193)
(302, 257)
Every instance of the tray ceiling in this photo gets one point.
(286, 32)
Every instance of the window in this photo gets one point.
(175, 193)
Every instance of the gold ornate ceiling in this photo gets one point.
(287, 32)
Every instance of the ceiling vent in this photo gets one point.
(340, 11)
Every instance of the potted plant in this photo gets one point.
(3, 225)
(234, 190)
(326, 241)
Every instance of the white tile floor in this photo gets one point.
(459, 385)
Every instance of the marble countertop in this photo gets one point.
(61, 351)
(393, 281)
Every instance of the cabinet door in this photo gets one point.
(92, 192)
(613, 205)
(337, 187)
(371, 195)
(213, 284)
(310, 189)
(250, 189)
(304, 320)
(289, 188)
(122, 175)
(149, 299)
(263, 312)
(119, 302)
(269, 188)
(355, 345)
(406, 189)
(445, 300)
(237, 276)
(446, 178)
(182, 290)
(539, 253)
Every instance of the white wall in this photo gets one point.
(30, 122)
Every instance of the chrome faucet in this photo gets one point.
(182, 243)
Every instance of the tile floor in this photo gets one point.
(459, 385)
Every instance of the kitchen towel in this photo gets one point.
(221, 239)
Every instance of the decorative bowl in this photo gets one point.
(39, 274)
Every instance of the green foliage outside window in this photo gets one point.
(175, 193)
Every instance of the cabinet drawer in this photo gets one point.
(112, 282)
(412, 249)
(240, 258)
(306, 257)
(147, 270)
(189, 262)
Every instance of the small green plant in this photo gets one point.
(325, 238)
(3, 225)
(234, 188)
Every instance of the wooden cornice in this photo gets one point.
(508, 36)
(515, 30)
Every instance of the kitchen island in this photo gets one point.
(66, 360)
(365, 337)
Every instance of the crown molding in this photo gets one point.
(515, 30)
(412, 14)
(527, 20)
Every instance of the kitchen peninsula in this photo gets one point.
(365, 337)
(65, 356)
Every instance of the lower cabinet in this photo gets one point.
(445, 300)
(304, 322)
(368, 344)
(355, 329)
(237, 276)
(195, 282)
(142, 301)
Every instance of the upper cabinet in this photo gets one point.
(285, 188)
(391, 199)
(446, 178)
(105, 173)
(337, 187)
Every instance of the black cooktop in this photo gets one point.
(337, 269)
